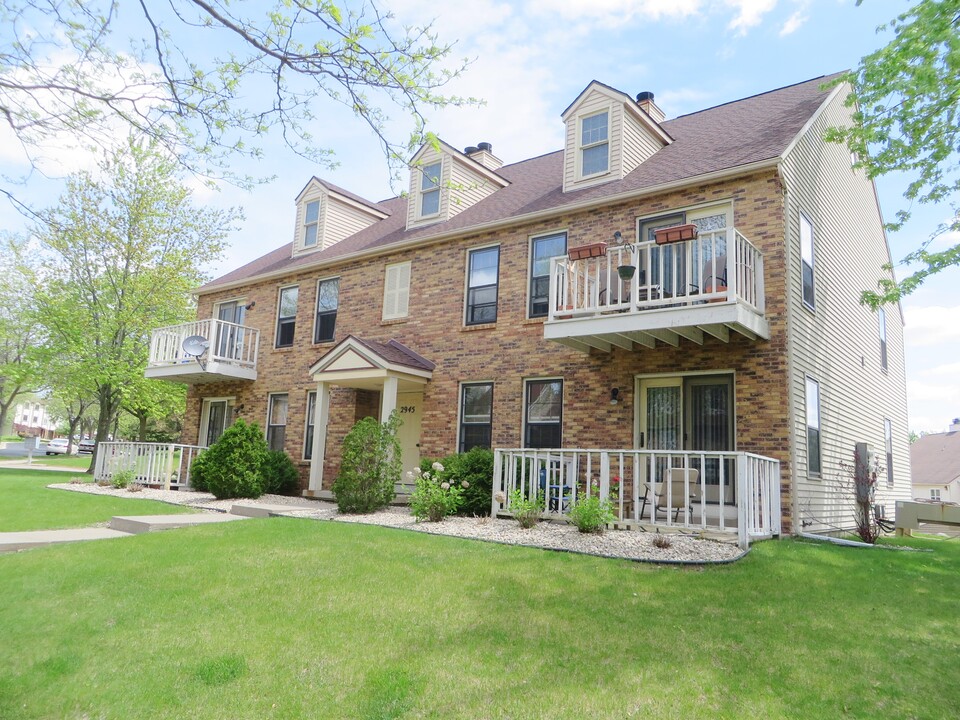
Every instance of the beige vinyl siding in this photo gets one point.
(837, 343)
(429, 157)
(594, 103)
(342, 220)
(314, 193)
(638, 144)
(468, 188)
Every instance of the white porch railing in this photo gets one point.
(733, 492)
(230, 343)
(156, 464)
(717, 266)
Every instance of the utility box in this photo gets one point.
(865, 468)
(31, 443)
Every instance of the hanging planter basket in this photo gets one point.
(677, 233)
(597, 249)
(626, 272)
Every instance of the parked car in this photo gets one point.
(86, 445)
(59, 446)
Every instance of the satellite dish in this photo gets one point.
(196, 345)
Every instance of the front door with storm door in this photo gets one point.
(229, 338)
(693, 414)
(213, 422)
(410, 410)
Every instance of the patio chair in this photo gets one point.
(683, 492)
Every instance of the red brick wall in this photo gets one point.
(513, 348)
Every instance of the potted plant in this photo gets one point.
(676, 233)
(582, 252)
(626, 272)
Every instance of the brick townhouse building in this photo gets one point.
(687, 287)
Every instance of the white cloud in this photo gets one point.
(949, 370)
(794, 22)
(931, 326)
(611, 13)
(749, 14)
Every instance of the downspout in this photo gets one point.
(795, 521)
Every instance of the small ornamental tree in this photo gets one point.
(233, 466)
(370, 466)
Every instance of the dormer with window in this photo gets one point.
(608, 135)
(327, 214)
(445, 182)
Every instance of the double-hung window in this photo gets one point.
(806, 259)
(287, 315)
(813, 427)
(311, 424)
(476, 415)
(543, 411)
(311, 221)
(882, 320)
(888, 448)
(277, 420)
(542, 249)
(935, 494)
(482, 284)
(594, 144)
(328, 300)
(430, 190)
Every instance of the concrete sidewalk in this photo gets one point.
(38, 465)
(10, 541)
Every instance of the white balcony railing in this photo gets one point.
(725, 492)
(717, 266)
(165, 465)
(232, 346)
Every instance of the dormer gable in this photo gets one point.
(326, 214)
(445, 181)
(608, 135)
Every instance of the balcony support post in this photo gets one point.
(322, 417)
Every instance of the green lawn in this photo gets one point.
(285, 618)
(26, 504)
(80, 462)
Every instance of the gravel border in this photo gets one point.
(685, 549)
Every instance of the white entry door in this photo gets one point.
(410, 410)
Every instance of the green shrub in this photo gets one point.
(526, 511)
(122, 478)
(590, 515)
(198, 480)
(280, 477)
(474, 467)
(233, 466)
(369, 467)
(434, 498)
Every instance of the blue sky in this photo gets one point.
(531, 59)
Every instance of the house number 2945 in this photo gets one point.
(407, 409)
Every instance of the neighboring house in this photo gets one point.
(740, 349)
(935, 466)
(34, 419)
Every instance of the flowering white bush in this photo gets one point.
(433, 498)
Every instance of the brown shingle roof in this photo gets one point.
(935, 459)
(397, 353)
(725, 137)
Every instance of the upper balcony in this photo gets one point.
(231, 353)
(710, 284)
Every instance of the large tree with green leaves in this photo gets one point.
(209, 79)
(19, 334)
(906, 97)
(122, 251)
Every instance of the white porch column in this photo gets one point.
(388, 398)
(321, 417)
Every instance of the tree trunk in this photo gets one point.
(5, 405)
(73, 422)
(142, 432)
(109, 407)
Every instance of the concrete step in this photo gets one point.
(262, 510)
(10, 541)
(137, 524)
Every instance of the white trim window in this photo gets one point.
(287, 315)
(430, 189)
(543, 413)
(216, 415)
(542, 250)
(328, 302)
(476, 416)
(311, 223)
(888, 448)
(311, 421)
(483, 282)
(807, 259)
(882, 329)
(396, 291)
(595, 144)
(935, 494)
(814, 465)
(277, 409)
